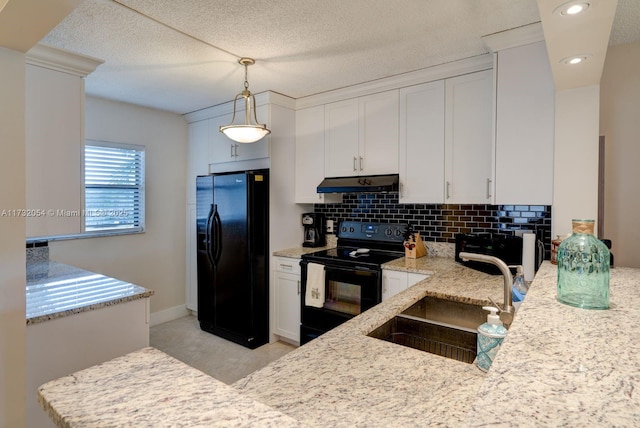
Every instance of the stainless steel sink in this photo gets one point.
(438, 326)
(446, 311)
(454, 343)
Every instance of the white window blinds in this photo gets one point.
(114, 187)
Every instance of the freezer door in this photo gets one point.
(204, 212)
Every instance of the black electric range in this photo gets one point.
(363, 243)
(352, 275)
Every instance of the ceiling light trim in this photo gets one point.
(563, 9)
(575, 59)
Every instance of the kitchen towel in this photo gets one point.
(314, 294)
(529, 256)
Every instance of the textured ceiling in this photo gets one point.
(181, 55)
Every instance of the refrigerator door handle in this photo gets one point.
(218, 235)
(207, 239)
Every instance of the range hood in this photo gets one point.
(360, 184)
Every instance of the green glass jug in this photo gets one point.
(583, 269)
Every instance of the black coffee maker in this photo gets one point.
(313, 230)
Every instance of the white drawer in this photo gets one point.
(286, 264)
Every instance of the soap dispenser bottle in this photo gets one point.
(519, 288)
(490, 337)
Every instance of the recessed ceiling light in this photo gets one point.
(575, 59)
(572, 8)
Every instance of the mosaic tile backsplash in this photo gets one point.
(441, 222)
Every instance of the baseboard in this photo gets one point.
(167, 315)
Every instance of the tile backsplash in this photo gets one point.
(37, 252)
(441, 222)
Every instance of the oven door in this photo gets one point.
(348, 292)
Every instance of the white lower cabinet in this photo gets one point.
(287, 297)
(393, 282)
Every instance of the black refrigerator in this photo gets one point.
(233, 243)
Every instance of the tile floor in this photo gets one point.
(221, 359)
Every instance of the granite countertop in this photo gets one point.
(56, 290)
(345, 378)
(148, 388)
(565, 366)
(559, 366)
(296, 252)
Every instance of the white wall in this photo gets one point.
(12, 241)
(575, 181)
(620, 124)
(154, 259)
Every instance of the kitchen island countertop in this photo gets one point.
(150, 388)
(55, 290)
(346, 378)
(559, 365)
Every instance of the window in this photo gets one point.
(114, 187)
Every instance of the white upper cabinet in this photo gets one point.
(525, 110)
(197, 161)
(310, 157)
(468, 138)
(341, 138)
(54, 115)
(222, 149)
(361, 136)
(54, 140)
(379, 133)
(422, 143)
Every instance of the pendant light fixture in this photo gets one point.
(250, 131)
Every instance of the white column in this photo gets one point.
(12, 245)
(575, 193)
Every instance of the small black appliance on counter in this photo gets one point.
(314, 235)
(505, 247)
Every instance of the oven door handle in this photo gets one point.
(364, 269)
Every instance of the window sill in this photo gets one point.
(100, 234)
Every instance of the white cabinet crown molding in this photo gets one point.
(436, 72)
(263, 98)
(61, 60)
(527, 34)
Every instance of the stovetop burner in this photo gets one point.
(346, 254)
(382, 240)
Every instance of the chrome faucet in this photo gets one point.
(507, 311)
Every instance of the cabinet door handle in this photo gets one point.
(298, 287)
(283, 266)
(355, 168)
(236, 150)
(488, 188)
(231, 147)
(448, 187)
(361, 160)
